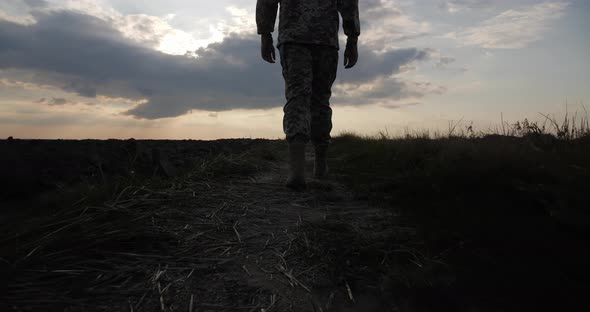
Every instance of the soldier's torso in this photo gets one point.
(309, 21)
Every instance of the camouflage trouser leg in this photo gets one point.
(309, 73)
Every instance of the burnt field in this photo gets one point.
(490, 223)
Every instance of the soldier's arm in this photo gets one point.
(266, 15)
(349, 9)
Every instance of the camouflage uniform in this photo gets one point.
(308, 46)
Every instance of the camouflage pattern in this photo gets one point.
(309, 72)
(308, 21)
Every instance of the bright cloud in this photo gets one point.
(152, 31)
(456, 6)
(512, 29)
(385, 25)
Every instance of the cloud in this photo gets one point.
(90, 57)
(15, 11)
(443, 61)
(384, 24)
(53, 101)
(514, 28)
(378, 79)
(456, 6)
(14, 83)
(384, 90)
(152, 31)
(376, 65)
(57, 102)
(398, 106)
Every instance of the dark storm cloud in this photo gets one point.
(85, 55)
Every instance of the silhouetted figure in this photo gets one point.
(308, 46)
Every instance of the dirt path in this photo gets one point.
(265, 261)
(235, 240)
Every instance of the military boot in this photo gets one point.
(320, 169)
(296, 180)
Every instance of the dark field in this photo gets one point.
(491, 223)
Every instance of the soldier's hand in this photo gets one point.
(267, 49)
(351, 54)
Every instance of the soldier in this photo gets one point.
(308, 46)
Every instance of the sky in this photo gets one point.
(186, 69)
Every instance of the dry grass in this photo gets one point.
(572, 126)
(144, 246)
